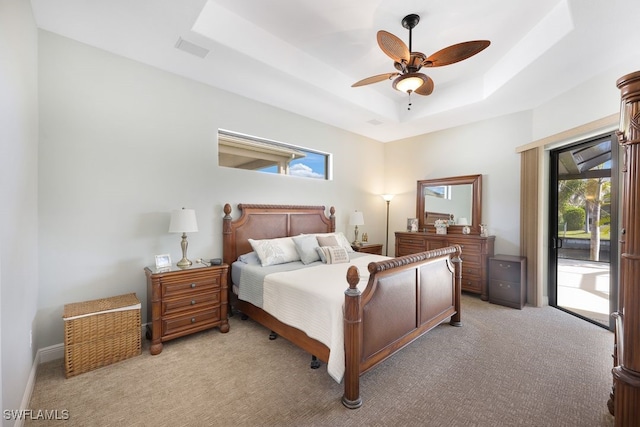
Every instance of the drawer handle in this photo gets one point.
(508, 285)
(505, 265)
(193, 320)
(193, 285)
(193, 302)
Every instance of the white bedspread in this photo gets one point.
(312, 300)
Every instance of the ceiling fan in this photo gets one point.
(408, 63)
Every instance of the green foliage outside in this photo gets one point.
(575, 218)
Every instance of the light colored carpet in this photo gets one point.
(503, 367)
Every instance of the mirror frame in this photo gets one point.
(476, 204)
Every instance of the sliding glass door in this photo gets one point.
(583, 221)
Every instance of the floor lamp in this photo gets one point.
(387, 198)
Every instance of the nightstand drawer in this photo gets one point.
(505, 270)
(178, 287)
(504, 291)
(173, 325)
(192, 302)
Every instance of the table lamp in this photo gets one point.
(183, 221)
(356, 219)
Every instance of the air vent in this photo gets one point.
(191, 48)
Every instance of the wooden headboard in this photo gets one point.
(268, 222)
(431, 217)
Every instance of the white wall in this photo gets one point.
(18, 197)
(122, 144)
(589, 101)
(486, 148)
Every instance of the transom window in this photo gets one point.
(240, 151)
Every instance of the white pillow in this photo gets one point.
(275, 251)
(342, 240)
(306, 245)
(332, 254)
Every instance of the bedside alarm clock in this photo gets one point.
(466, 229)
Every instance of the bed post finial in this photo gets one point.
(332, 218)
(227, 210)
(352, 340)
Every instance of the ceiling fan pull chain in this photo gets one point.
(409, 106)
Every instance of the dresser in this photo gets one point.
(507, 280)
(181, 301)
(369, 248)
(476, 251)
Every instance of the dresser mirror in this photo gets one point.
(457, 200)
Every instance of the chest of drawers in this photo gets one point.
(476, 251)
(184, 301)
(507, 281)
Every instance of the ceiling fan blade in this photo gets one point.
(455, 53)
(426, 88)
(395, 48)
(375, 79)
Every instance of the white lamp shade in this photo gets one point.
(356, 218)
(183, 221)
(387, 197)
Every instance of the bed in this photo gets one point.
(384, 305)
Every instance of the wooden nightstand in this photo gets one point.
(369, 248)
(183, 301)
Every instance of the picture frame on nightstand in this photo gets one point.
(163, 261)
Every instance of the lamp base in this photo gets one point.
(184, 263)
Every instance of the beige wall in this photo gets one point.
(18, 198)
(122, 144)
(486, 148)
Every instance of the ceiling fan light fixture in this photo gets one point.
(409, 82)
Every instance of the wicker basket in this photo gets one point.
(100, 332)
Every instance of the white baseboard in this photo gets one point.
(42, 355)
(50, 353)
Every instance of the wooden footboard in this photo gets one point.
(405, 297)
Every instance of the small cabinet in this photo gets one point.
(507, 281)
(181, 301)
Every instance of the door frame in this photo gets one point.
(614, 259)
